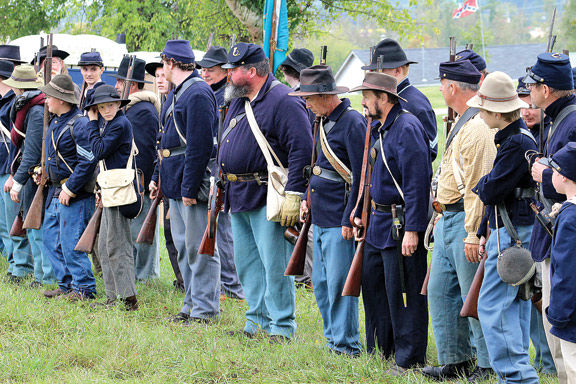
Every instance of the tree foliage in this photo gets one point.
(26, 17)
(567, 37)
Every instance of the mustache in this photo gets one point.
(233, 91)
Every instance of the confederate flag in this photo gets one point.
(468, 8)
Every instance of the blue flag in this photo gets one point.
(281, 35)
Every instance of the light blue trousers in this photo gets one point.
(146, 256)
(43, 271)
(230, 284)
(543, 360)
(201, 273)
(450, 279)
(505, 319)
(261, 254)
(332, 258)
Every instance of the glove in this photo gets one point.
(290, 212)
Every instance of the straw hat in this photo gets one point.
(24, 77)
(497, 94)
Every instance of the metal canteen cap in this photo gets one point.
(515, 265)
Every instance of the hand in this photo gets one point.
(37, 176)
(347, 233)
(436, 220)
(358, 228)
(64, 198)
(409, 243)
(303, 211)
(472, 252)
(153, 190)
(188, 202)
(290, 210)
(482, 248)
(14, 196)
(537, 170)
(8, 184)
(93, 113)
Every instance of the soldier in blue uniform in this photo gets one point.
(91, 67)
(551, 88)
(215, 76)
(395, 262)
(476, 60)
(143, 113)
(189, 120)
(70, 167)
(396, 64)
(504, 316)
(27, 117)
(260, 251)
(562, 309)
(334, 182)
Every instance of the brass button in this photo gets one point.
(227, 140)
(48, 157)
(166, 153)
(157, 142)
(497, 145)
(312, 190)
(222, 164)
(316, 170)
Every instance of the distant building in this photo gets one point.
(511, 59)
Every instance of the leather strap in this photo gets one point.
(507, 222)
(466, 116)
(335, 162)
(328, 174)
(170, 111)
(554, 124)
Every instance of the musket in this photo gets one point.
(148, 229)
(17, 229)
(323, 51)
(34, 216)
(551, 36)
(88, 238)
(128, 81)
(37, 63)
(470, 305)
(210, 38)
(84, 86)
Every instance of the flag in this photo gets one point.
(468, 8)
(281, 30)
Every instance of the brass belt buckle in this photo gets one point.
(316, 170)
(232, 177)
(165, 153)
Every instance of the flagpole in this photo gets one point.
(481, 30)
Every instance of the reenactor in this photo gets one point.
(476, 60)
(58, 65)
(27, 119)
(260, 250)
(334, 182)
(189, 120)
(143, 113)
(395, 259)
(503, 304)
(395, 63)
(468, 155)
(70, 167)
(91, 68)
(215, 76)
(112, 145)
(551, 88)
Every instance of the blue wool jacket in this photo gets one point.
(143, 117)
(408, 155)
(564, 133)
(196, 115)
(510, 171)
(74, 146)
(5, 142)
(113, 145)
(562, 310)
(284, 122)
(331, 203)
(420, 106)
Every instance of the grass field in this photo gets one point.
(53, 341)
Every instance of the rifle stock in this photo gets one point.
(470, 307)
(17, 227)
(208, 243)
(353, 283)
(148, 230)
(88, 238)
(424, 290)
(297, 261)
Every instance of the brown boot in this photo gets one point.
(50, 294)
(131, 303)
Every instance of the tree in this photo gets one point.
(26, 17)
(567, 39)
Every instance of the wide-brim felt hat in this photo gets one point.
(318, 80)
(213, 57)
(10, 53)
(106, 94)
(393, 56)
(152, 67)
(6, 68)
(61, 87)
(497, 94)
(299, 59)
(376, 81)
(55, 53)
(24, 77)
(138, 74)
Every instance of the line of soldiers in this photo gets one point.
(483, 196)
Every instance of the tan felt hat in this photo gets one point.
(497, 94)
(24, 77)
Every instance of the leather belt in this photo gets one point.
(327, 174)
(58, 183)
(456, 207)
(170, 152)
(259, 177)
(385, 208)
(524, 193)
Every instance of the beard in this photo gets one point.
(235, 91)
(374, 113)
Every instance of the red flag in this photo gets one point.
(468, 8)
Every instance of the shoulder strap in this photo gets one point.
(133, 154)
(170, 111)
(501, 207)
(528, 134)
(5, 133)
(262, 142)
(466, 116)
(556, 122)
(334, 161)
(69, 127)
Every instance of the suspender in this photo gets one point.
(170, 111)
(69, 127)
(466, 116)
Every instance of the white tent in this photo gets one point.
(155, 56)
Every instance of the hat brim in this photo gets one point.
(5, 75)
(17, 62)
(230, 66)
(134, 80)
(123, 103)
(361, 88)
(208, 63)
(290, 63)
(23, 85)
(152, 67)
(89, 63)
(336, 91)
(49, 91)
(55, 53)
(497, 106)
(390, 65)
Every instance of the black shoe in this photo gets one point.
(200, 320)
(480, 374)
(243, 333)
(15, 280)
(180, 318)
(131, 303)
(35, 284)
(448, 371)
(279, 339)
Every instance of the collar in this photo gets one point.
(220, 84)
(7, 97)
(403, 85)
(73, 112)
(510, 130)
(554, 109)
(193, 74)
(339, 110)
(391, 116)
(264, 88)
